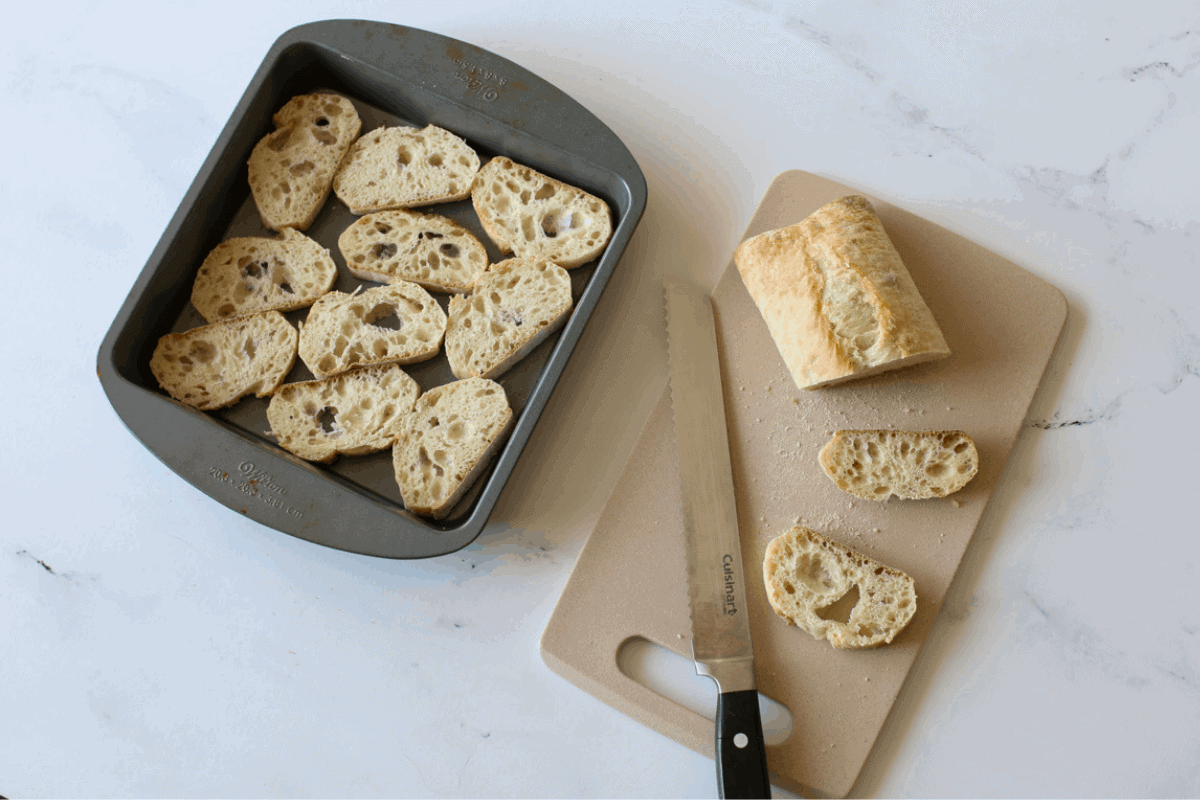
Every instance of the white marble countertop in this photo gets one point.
(158, 644)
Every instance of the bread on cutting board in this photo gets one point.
(358, 412)
(535, 216)
(251, 274)
(216, 365)
(448, 441)
(913, 465)
(512, 308)
(404, 167)
(292, 169)
(837, 298)
(427, 249)
(836, 593)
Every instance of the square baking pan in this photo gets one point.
(394, 76)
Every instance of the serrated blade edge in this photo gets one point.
(721, 643)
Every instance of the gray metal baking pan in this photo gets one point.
(393, 75)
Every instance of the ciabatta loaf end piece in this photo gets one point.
(836, 593)
(426, 249)
(512, 308)
(535, 216)
(250, 274)
(216, 365)
(449, 439)
(355, 413)
(914, 465)
(405, 167)
(292, 169)
(837, 299)
(399, 322)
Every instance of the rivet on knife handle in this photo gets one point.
(721, 642)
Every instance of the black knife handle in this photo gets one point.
(741, 753)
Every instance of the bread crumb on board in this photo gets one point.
(830, 522)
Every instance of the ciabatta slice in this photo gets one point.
(398, 322)
(836, 593)
(405, 167)
(427, 249)
(251, 274)
(355, 413)
(292, 169)
(914, 465)
(512, 308)
(535, 216)
(450, 438)
(216, 365)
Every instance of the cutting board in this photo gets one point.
(1002, 325)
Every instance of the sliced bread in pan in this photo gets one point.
(399, 322)
(427, 249)
(513, 307)
(216, 365)
(836, 593)
(405, 167)
(448, 441)
(292, 169)
(250, 274)
(357, 412)
(535, 216)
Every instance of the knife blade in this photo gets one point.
(721, 644)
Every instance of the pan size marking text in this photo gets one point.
(257, 484)
(730, 583)
(484, 82)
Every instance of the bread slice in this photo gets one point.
(513, 308)
(400, 322)
(292, 169)
(251, 274)
(216, 365)
(427, 249)
(914, 465)
(357, 412)
(450, 438)
(535, 216)
(837, 298)
(835, 593)
(405, 167)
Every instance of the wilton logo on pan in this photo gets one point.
(730, 583)
(262, 479)
(254, 481)
(482, 81)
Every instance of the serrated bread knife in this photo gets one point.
(720, 625)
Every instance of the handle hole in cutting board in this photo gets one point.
(675, 678)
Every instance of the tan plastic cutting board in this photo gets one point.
(1001, 323)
